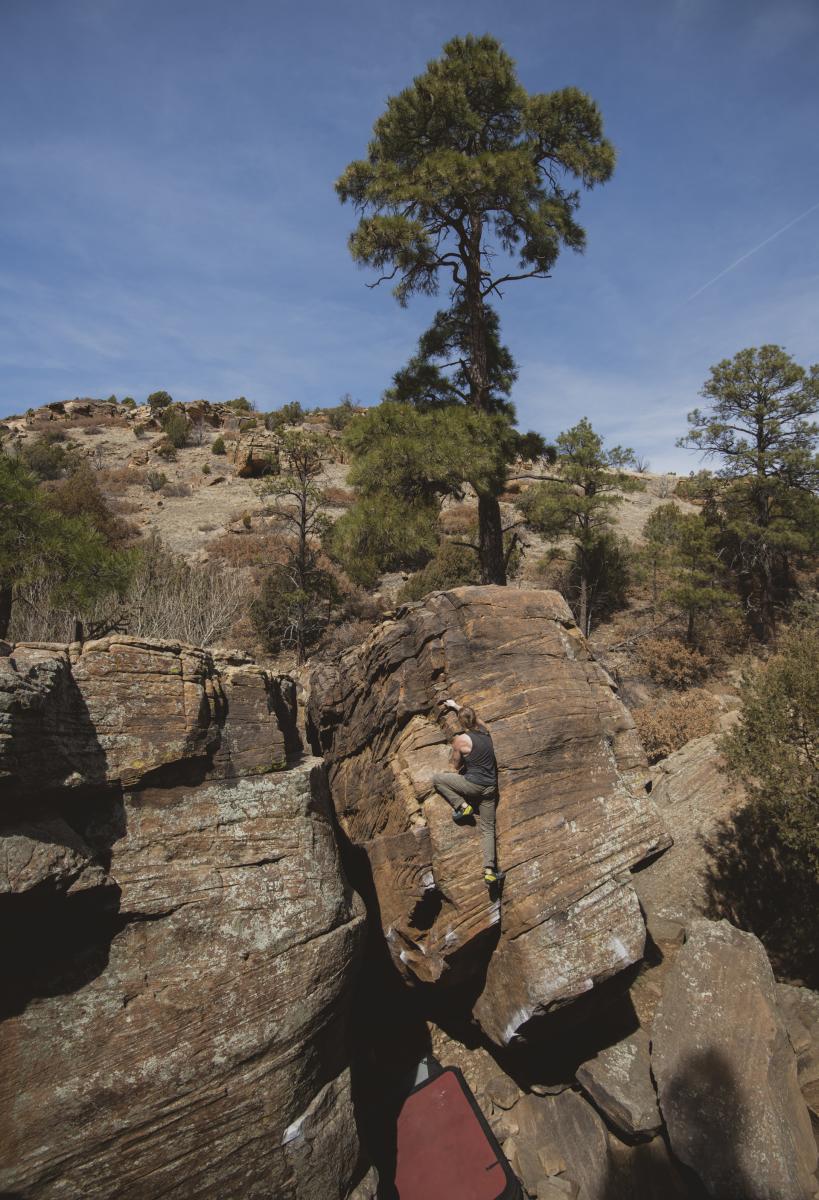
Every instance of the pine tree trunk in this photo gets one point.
(6, 598)
(490, 528)
(490, 541)
(584, 603)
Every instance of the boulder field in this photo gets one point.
(184, 954)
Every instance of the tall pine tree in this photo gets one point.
(471, 178)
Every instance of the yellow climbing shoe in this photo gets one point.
(493, 875)
(463, 810)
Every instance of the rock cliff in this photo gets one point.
(573, 816)
(179, 937)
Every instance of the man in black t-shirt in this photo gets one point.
(473, 782)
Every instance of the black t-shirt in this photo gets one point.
(479, 764)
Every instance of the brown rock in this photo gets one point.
(572, 817)
(200, 1051)
(726, 1073)
(645, 1172)
(256, 453)
(118, 709)
(568, 1138)
(693, 796)
(618, 1080)
(179, 941)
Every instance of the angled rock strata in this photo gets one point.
(573, 817)
(180, 941)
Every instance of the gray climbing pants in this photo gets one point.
(455, 789)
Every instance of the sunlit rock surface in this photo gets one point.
(573, 817)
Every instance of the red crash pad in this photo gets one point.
(446, 1150)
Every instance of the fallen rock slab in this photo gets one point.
(618, 1081)
(573, 816)
(726, 1073)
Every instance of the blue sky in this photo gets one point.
(167, 215)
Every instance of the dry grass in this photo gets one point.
(458, 518)
(339, 497)
(670, 662)
(252, 549)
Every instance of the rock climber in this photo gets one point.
(473, 782)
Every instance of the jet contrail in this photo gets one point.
(742, 258)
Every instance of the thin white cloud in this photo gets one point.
(742, 258)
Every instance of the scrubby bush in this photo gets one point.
(155, 480)
(670, 662)
(175, 426)
(80, 495)
(170, 598)
(206, 468)
(128, 402)
(240, 405)
(46, 456)
(158, 400)
(218, 446)
(764, 873)
(340, 416)
(166, 450)
(288, 414)
(665, 728)
(452, 566)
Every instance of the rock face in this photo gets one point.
(693, 795)
(179, 936)
(726, 1073)
(573, 815)
(618, 1080)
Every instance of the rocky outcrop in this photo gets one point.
(693, 796)
(179, 937)
(256, 453)
(573, 817)
(726, 1074)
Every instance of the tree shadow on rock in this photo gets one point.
(751, 881)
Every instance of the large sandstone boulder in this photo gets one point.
(573, 817)
(694, 796)
(256, 453)
(179, 939)
(726, 1073)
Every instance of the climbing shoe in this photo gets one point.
(493, 875)
(462, 811)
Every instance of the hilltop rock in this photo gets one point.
(256, 453)
(726, 1074)
(179, 941)
(572, 819)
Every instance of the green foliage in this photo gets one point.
(466, 175)
(128, 402)
(46, 457)
(466, 144)
(297, 596)
(80, 495)
(440, 371)
(38, 542)
(339, 417)
(578, 503)
(681, 551)
(218, 446)
(765, 862)
(287, 415)
(759, 427)
(175, 426)
(698, 486)
(405, 460)
(240, 405)
(159, 400)
(452, 566)
(155, 480)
